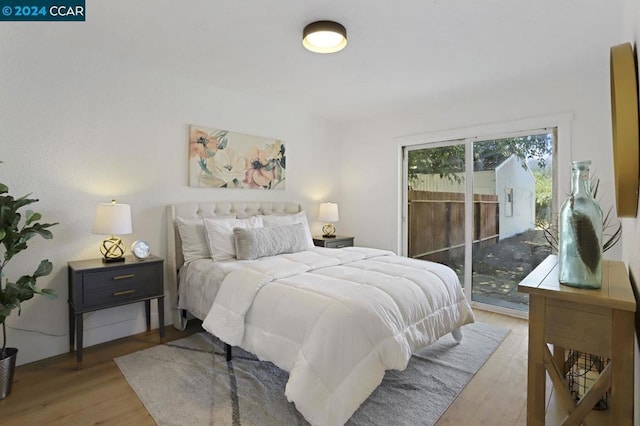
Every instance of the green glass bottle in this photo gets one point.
(580, 233)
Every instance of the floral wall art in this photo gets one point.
(223, 159)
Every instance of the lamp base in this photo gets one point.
(112, 250)
(112, 259)
(329, 231)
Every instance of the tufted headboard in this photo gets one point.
(241, 209)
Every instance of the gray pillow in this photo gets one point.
(260, 242)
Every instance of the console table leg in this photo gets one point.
(622, 366)
(536, 375)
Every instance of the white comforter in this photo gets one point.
(336, 319)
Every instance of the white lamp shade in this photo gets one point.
(328, 212)
(112, 219)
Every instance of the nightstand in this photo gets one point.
(338, 241)
(94, 285)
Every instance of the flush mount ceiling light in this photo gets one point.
(324, 37)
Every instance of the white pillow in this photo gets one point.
(290, 219)
(220, 238)
(194, 243)
(253, 243)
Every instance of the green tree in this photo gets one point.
(544, 194)
(445, 161)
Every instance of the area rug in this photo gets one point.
(189, 382)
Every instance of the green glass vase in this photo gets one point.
(580, 233)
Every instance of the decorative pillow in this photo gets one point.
(220, 238)
(290, 219)
(260, 242)
(192, 236)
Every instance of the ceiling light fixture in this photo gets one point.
(324, 37)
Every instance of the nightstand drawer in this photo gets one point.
(97, 281)
(338, 244)
(338, 241)
(121, 292)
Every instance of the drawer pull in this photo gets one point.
(123, 277)
(123, 293)
(340, 246)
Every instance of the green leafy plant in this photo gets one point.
(15, 231)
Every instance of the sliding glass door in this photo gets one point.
(512, 191)
(481, 206)
(436, 205)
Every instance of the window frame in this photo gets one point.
(559, 124)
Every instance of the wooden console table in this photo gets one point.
(598, 322)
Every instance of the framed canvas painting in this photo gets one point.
(223, 159)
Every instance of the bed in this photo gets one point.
(335, 319)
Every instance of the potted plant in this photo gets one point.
(15, 231)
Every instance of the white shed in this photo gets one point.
(516, 191)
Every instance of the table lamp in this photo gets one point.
(328, 213)
(112, 219)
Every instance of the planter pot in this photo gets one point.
(7, 367)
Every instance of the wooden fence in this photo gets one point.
(436, 224)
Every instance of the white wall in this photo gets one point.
(511, 174)
(77, 129)
(372, 188)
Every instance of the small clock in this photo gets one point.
(140, 249)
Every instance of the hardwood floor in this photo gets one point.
(497, 394)
(54, 391)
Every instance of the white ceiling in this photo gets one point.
(399, 52)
